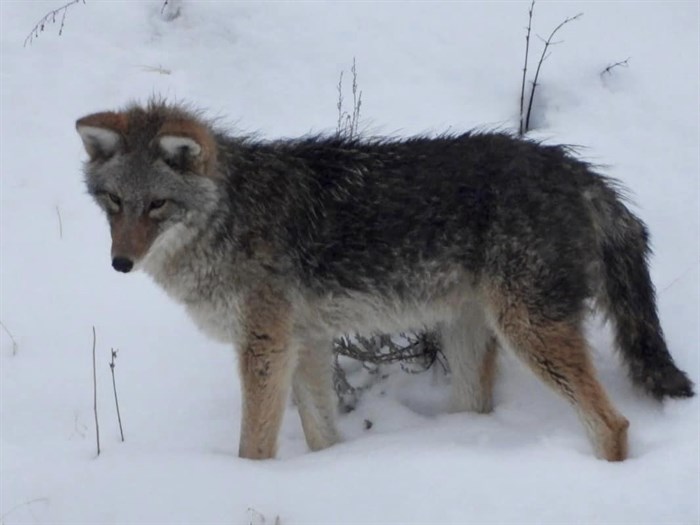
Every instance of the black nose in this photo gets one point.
(122, 264)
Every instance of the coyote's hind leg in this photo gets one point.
(557, 352)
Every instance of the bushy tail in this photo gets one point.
(627, 293)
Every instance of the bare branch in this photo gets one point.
(543, 57)
(339, 105)
(356, 102)
(94, 389)
(50, 18)
(548, 43)
(60, 222)
(521, 130)
(419, 353)
(621, 63)
(112, 364)
(15, 346)
(348, 395)
(382, 349)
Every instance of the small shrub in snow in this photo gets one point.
(525, 115)
(415, 352)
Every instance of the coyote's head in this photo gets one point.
(150, 169)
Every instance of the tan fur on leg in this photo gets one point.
(557, 352)
(266, 364)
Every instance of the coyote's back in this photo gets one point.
(281, 246)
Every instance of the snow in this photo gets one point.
(272, 68)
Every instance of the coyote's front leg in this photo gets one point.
(266, 363)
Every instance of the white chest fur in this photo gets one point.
(198, 281)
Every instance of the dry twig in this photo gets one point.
(60, 222)
(50, 18)
(356, 101)
(544, 57)
(15, 346)
(621, 63)
(382, 349)
(112, 364)
(521, 130)
(348, 396)
(339, 105)
(348, 123)
(419, 353)
(94, 389)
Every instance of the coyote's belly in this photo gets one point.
(369, 315)
(335, 316)
(434, 300)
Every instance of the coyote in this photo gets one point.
(281, 246)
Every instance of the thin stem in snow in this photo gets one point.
(356, 102)
(112, 364)
(522, 130)
(543, 57)
(339, 105)
(94, 389)
(15, 346)
(621, 63)
(60, 222)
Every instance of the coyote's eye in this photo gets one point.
(116, 200)
(158, 203)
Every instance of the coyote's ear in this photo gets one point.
(187, 145)
(102, 133)
(174, 146)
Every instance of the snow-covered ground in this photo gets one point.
(272, 68)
